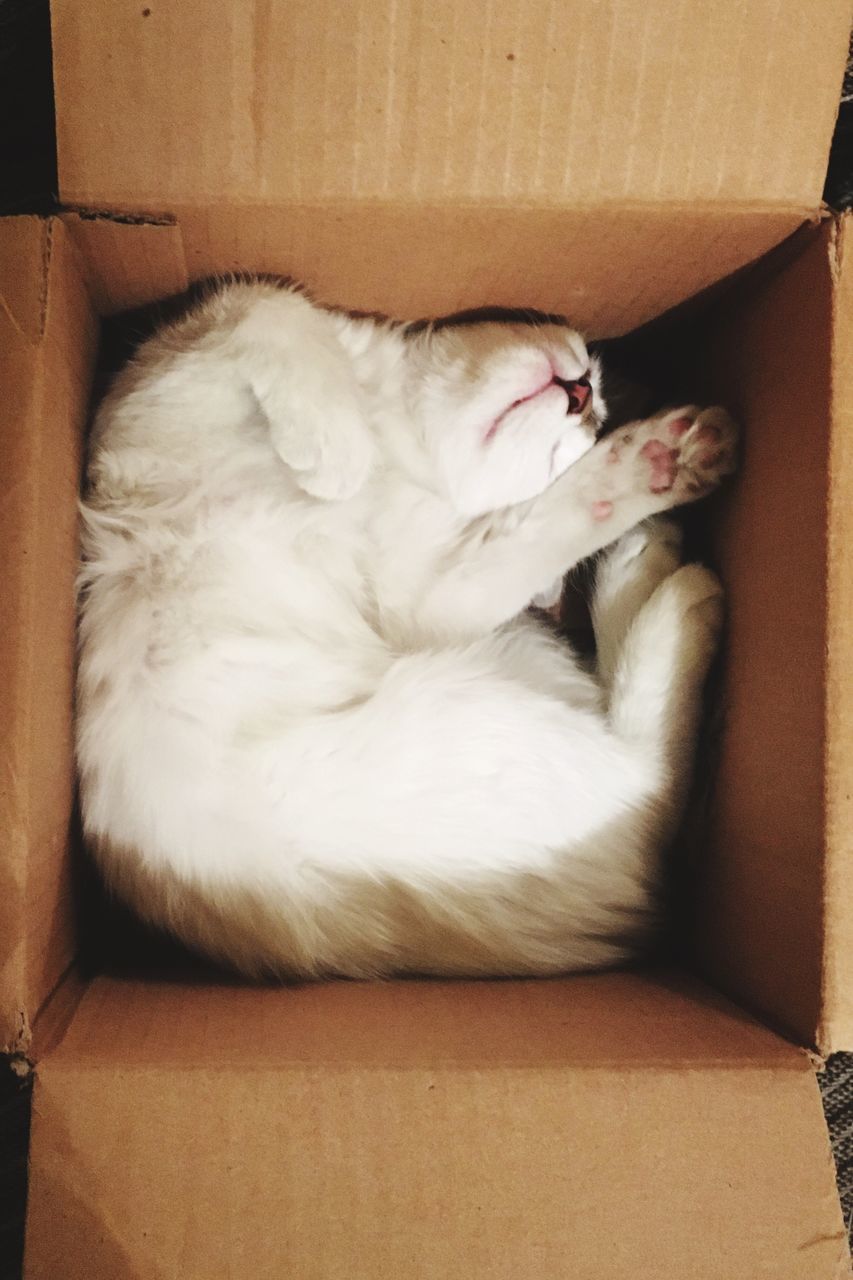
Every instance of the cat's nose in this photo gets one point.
(578, 392)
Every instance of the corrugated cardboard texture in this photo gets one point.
(761, 883)
(608, 270)
(837, 1022)
(23, 287)
(474, 1131)
(128, 265)
(556, 101)
(47, 336)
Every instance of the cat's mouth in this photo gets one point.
(578, 394)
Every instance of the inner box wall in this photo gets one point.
(749, 903)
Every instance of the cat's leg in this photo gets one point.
(626, 576)
(480, 813)
(501, 562)
(655, 699)
(481, 817)
(304, 382)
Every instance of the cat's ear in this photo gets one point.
(318, 424)
(330, 452)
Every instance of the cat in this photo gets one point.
(319, 732)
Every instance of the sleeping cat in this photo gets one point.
(318, 731)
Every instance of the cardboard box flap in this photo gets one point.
(625, 1125)
(554, 102)
(837, 1013)
(24, 255)
(47, 335)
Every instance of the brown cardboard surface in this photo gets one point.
(555, 101)
(128, 265)
(637, 1019)
(624, 1125)
(760, 883)
(23, 251)
(411, 261)
(47, 336)
(836, 1030)
(773, 893)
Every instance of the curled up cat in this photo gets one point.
(319, 732)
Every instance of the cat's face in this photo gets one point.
(503, 408)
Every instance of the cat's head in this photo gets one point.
(503, 407)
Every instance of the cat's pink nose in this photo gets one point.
(578, 392)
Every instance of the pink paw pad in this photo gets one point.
(602, 510)
(709, 434)
(664, 465)
(680, 427)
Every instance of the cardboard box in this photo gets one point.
(606, 160)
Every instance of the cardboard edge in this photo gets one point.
(119, 281)
(49, 292)
(25, 310)
(25, 247)
(392, 81)
(835, 1030)
(128, 213)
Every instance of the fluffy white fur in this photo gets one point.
(317, 731)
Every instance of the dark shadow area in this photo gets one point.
(28, 181)
(15, 1094)
(112, 939)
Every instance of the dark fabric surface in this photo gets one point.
(28, 185)
(836, 1086)
(14, 1136)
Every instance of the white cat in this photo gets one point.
(317, 731)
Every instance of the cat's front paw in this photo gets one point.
(686, 453)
